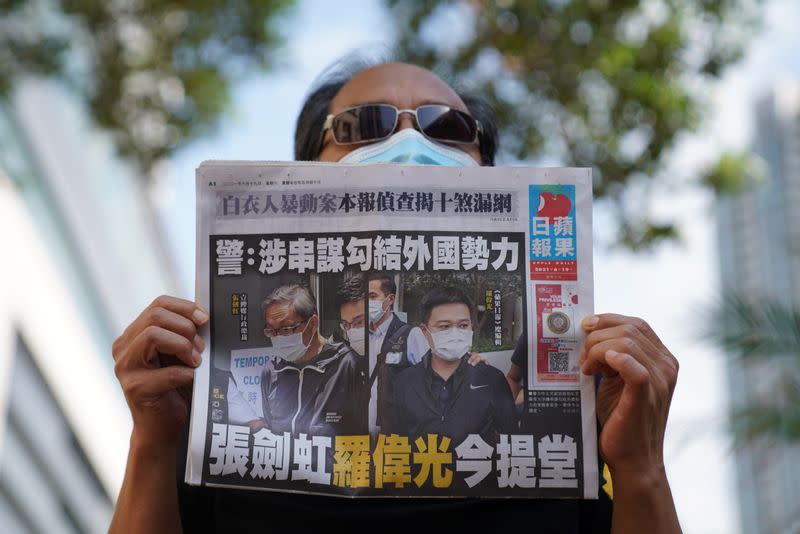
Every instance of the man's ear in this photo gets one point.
(426, 332)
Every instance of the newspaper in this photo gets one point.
(371, 324)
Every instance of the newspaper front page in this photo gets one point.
(394, 330)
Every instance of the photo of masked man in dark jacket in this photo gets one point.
(310, 384)
(443, 394)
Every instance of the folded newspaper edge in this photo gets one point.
(521, 236)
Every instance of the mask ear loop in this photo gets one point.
(304, 331)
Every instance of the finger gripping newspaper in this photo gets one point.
(394, 331)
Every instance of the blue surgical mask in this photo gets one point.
(376, 310)
(410, 146)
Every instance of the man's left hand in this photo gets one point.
(639, 376)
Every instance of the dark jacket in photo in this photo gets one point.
(315, 398)
(475, 399)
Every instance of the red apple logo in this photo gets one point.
(551, 205)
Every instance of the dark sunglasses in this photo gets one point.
(375, 122)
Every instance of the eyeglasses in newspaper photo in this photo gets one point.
(285, 331)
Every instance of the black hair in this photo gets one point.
(387, 282)
(443, 295)
(308, 131)
(351, 290)
(487, 138)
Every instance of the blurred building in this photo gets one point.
(759, 233)
(81, 256)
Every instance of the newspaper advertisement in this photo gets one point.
(394, 331)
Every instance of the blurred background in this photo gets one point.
(687, 110)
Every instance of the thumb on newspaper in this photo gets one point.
(639, 376)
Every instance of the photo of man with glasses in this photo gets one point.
(444, 394)
(393, 345)
(350, 300)
(309, 385)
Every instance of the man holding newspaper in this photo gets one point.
(421, 120)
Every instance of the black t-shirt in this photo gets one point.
(205, 509)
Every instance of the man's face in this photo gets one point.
(281, 316)
(402, 85)
(445, 316)
(376, 293)
(351, 314)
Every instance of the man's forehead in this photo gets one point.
(281, 312)
(350, 311)
(375, 286)
(453, 311)
(399, 84)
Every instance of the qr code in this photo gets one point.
(558, 362)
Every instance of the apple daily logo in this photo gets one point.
(553, 226)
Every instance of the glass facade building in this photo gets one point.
(82, 256)
(759, 236)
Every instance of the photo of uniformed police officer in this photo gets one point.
(394, 345)
(309, 386)
(238, 410)
(443, 394)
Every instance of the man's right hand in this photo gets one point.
(155, 360)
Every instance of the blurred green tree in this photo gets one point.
(156, 74)
(764, 335)
(596, 83)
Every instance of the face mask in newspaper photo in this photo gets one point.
(356, 338)
(376, 310)
(451, 344)
(291, 348)
(410, 146)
